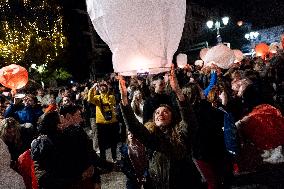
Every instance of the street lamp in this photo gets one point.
(251, 36)
(217, 26)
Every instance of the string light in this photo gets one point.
(45, 26)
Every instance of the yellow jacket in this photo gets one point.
(108, 103)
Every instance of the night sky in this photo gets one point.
(260, 13)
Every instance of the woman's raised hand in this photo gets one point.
(174, 84)
(123, 90)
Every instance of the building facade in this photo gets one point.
(270, 35)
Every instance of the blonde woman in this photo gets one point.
(11, 135)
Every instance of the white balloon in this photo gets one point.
(221, 55)
(203, 53)
(142, 34)
(198, 63)
(181, 60)
(239, 55)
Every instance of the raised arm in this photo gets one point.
(92, 96)
(132, 123)
(186, 112)
(213, 80)
(175, 86)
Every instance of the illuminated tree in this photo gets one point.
(31, 33)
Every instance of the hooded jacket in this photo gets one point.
(103, 102)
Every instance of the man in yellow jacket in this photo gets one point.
(106, 121)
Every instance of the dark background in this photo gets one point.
(258, 14)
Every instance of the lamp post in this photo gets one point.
(251, 36)
(217, 26)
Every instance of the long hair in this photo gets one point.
(213, 95)
(192, 93)
(175, 138)
(7, 123)
(174, 135)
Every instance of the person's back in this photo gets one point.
(208, 139)
(208, 145)
(60, 156)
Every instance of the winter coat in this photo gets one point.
(60, 159)
(26, 169)
(132, 172)
(104, 102)
(24, 114)
(167, 147)
(208, 138)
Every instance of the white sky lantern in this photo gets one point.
(181, 60)
(221, 55)
(198, 63)
(203, 53)
(239, 55)
(143, 35)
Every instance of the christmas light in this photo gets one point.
(45, 26)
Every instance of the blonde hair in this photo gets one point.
(10, 123)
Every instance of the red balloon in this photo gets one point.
(13, 76)
(264, 127)
(261, 49)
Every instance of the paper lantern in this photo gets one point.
(13, 76)
(221, 55)
(142, 35)
(261, 49)
(198, 63)
(181, 60)
(239, 55)
(203, 53)
(264, 126)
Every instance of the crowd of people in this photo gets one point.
(180, 128)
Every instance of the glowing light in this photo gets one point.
(33, 66)
(141, 62)
(225, 20)
(19, 32)
(210, 24)
(240, 23)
